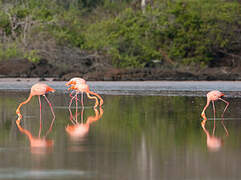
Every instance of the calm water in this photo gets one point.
(136, 137)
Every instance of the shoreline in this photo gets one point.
(163, 88)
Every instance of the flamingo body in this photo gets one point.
(213, 96)
(75, 80)
(39, 89)
(79, 85)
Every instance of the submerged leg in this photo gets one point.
(76, 106)
(50, 106)
(82, 115)
(40, 117)
(82, 99)
(214, 112)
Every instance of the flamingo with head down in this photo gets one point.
(39, 89)
(79, 86)
(214, 96)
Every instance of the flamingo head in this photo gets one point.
(69, 83)
(49, 89)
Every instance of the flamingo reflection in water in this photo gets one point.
(38, 144)
(79, 130)
(214, 143)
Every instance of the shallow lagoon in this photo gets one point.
(138, 136)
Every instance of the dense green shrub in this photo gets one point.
(188, 31)
(180, 31)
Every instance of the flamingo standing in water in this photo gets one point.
(79, 86)
(73, 82)
(39, 89)
(213, 96)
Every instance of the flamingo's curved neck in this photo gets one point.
(95, 94)
(204, 109)
(92, 97)
(24, 102)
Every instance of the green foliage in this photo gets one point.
(126, 38)
(186, 31)
(9, 52)
(32, 56)
(68, 28)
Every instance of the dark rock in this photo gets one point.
(105, 72)
(16, 68)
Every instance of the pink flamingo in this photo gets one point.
(213, 96)
(78, 130)
(38, 89)
(79, 86)
(73, 82)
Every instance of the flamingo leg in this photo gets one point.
(227, 104)
(76, 106)
(82, 115)
(50, 106)
(71, 94)
(82, 99)
(40, 117)
(214, 112)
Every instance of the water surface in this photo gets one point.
(136, 137)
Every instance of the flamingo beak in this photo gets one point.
(49, 89)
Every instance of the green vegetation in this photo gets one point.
(178, 31)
